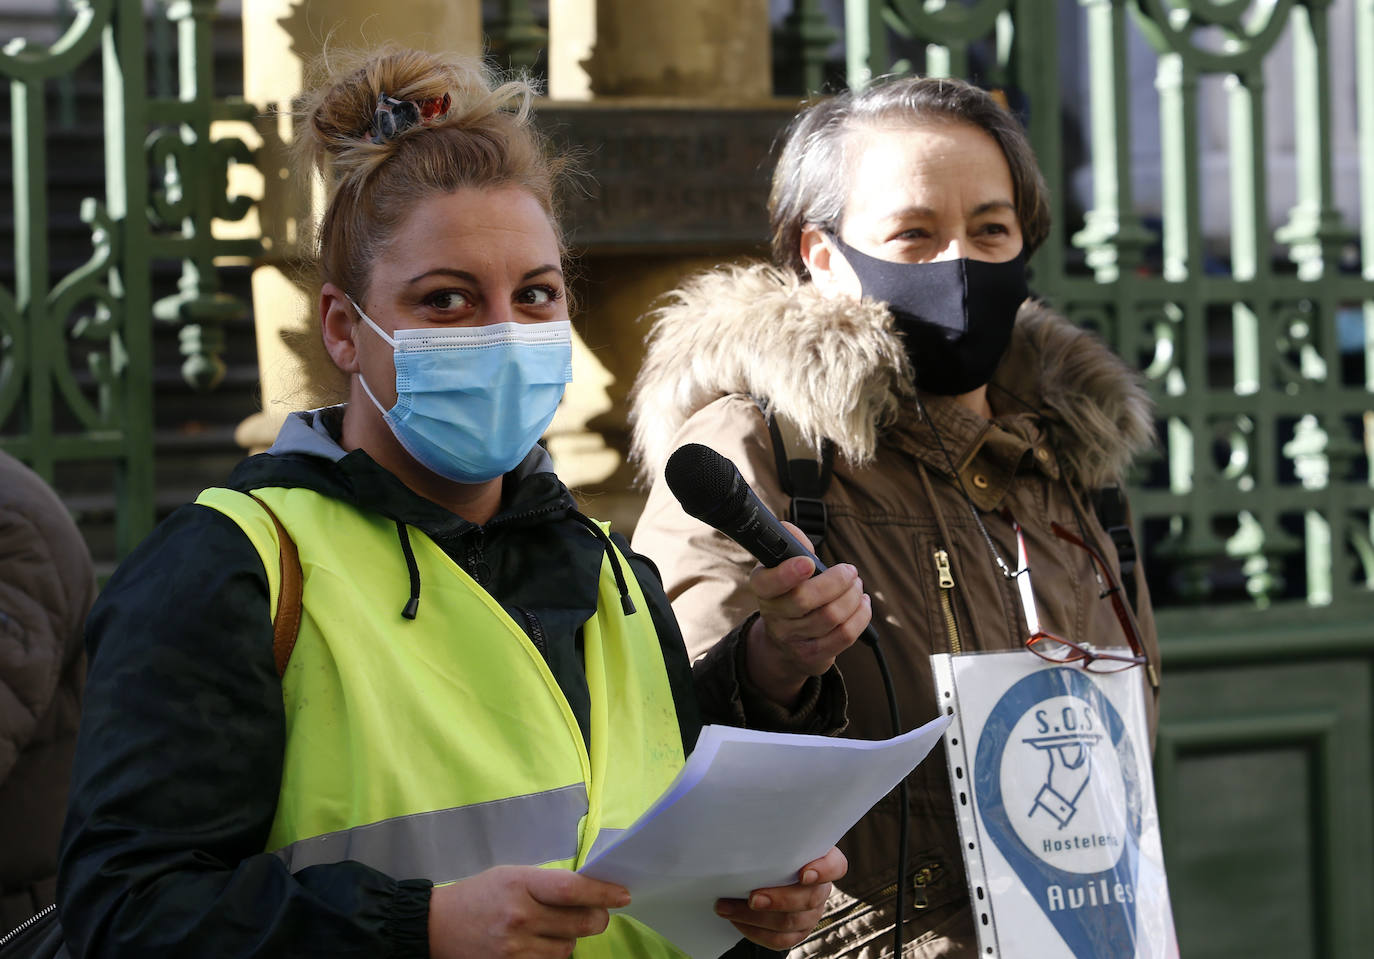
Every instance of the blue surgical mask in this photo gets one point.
(472, 401)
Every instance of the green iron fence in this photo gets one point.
(76, 349)
(1257, 339)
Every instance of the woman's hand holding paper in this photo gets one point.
(781, 917)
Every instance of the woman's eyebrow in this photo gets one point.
(472, 278)
(987, 206)
(992, 205)
(911, 211)
(546, 268)
(443, 271)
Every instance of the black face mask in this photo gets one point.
(956, 315)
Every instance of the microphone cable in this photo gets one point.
(903, 790)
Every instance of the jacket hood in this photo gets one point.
(837, 367)
(307, 454)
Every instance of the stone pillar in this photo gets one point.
(709, 50)
(621, 55)
(280, 39)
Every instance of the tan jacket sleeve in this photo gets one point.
(704, 573)
(706, 576)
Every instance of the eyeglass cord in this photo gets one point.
(1007, 571)
(1053, 442)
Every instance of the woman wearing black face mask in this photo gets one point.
(896, 332)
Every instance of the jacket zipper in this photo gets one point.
(528, 514)
(535, 631)
(925, 876)
(944, 575)
(475, 562)
(27, 924)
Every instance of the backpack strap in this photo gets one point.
(286, 624)
(1109, 503)
(804, 472)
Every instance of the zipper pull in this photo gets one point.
(922, 879)
(943, 569)
(476, 563)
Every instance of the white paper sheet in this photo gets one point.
(747, 811)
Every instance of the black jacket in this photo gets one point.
(179, 758)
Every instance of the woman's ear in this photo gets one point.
(821, 260)
(815, 252)
(337, 323)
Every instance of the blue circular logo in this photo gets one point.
(1057, 785)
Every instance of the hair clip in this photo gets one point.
(392, 116)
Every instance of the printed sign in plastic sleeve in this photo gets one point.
(1050, 769)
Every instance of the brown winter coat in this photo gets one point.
(1068, 417)
(46, 589)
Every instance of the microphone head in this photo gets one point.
(704, 482)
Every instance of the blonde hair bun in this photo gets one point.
(337, 115)
(485, 139)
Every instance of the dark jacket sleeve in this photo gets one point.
(177, 772)
(728, 697)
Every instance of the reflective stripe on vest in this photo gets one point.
(448, 844)
(437, 747)
(462, 841)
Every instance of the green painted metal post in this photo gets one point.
(865, 42)
(803, 42)
(1113, 235)
(1024, 38)
(517, 35)
(1314, 230)
(126, 123)
(1364, 99)
(31, 260)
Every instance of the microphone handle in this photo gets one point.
(763, 536)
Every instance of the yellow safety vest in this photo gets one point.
(439, 747)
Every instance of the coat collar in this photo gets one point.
(838, 369)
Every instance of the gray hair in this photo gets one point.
(811, 182)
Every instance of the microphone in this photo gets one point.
(711, 488)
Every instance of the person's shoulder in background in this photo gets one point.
(47, 586)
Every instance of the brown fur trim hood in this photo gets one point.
(838, 369)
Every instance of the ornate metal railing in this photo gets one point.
(76, 350)
(1263, 496)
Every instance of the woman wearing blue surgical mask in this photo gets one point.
(352, 702)
(890, 378)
